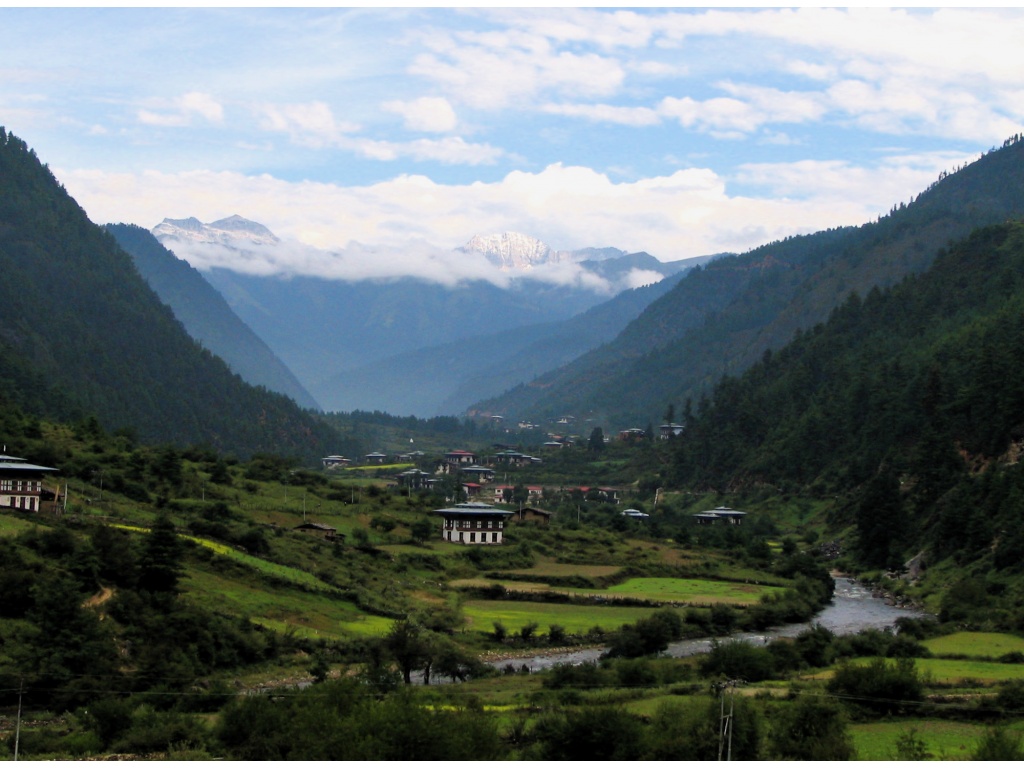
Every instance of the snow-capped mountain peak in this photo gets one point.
(512, 250)
(233, 230)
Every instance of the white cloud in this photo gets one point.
(180, 111)
(431, 114)
(309, 124)
(606, 113)
(688, 213)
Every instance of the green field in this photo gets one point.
(952, 671)
(12, 526)
(576, 619)
(944, 739)
(298, 611)
(990, 645)
(700, 591)
(664, 590)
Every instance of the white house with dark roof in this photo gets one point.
(473, 522)
(21, 484)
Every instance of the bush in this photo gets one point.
(882, 687)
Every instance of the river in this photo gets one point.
(852, 609)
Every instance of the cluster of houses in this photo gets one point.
(472, 522)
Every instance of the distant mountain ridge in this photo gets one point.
(333, 333)
(83, 335)
(722, 318)
(206, 315)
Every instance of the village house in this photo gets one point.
(335, 462)
(459, 458)
(534, 515)
(670, 430)
(415, 479)
(478, 474)
(21, 485)
(473, 522)
(319, 530)
(632, 434)
(503, 493)
(375, 458)
(712, 516)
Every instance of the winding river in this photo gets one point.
(852, 609)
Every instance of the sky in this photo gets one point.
(383, 134)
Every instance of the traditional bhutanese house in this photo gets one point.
(712, 516)
(635, 513)
(319, 530)
(335, 462)
(473, 522)
(415, 479)
(511, 458)
(460, 458)
(21, 484)
(375, 458)
(503, 493)
(629, 435)
(472, 490)
(534, 515)
(671, 430)
(478, 474)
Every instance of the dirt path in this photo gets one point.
(99, 598)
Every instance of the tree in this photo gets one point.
(810, 729)
(408, 647)
(160, 565)
(596, 442)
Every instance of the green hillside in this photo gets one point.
(82, 334)
(722, 318)
(907, 408)
(205, 314)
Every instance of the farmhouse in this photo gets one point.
(534, 515)
(319, 530)
(335, 462)
(712, 516)
(671, 430)
(473, 522)
(416, 479)
(21, 484)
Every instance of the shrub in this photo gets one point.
(883, 687)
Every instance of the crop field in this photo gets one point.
(298, 611)
(990, 645)
(700, 591)
(665, 590)
(944, 739)
(575, 619)
(953, 671)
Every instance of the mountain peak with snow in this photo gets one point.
(512, 250)
(234, 230)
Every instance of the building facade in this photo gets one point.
(473, 522)
(21, 484)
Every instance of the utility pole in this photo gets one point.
(725, 722)
(17, 728)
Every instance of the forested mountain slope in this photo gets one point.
(81, 333)
(439, 380)
(722, 318)
(205, 314)
(908, 403)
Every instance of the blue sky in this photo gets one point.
(680, 132)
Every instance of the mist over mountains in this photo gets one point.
(408, 343)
